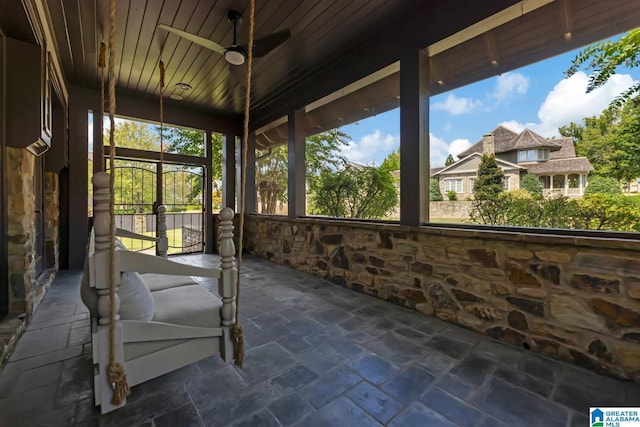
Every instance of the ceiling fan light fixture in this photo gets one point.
(234, 55)
(183, 86)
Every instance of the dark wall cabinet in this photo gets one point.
(29, 97)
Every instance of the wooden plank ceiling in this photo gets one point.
(319, 29)
(334, 43)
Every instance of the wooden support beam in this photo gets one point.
(296, 164)
(229, 171)
(250, 190)
(414, 137)
(209, 236)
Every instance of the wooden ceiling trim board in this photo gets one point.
(419, 28)
(88, 22)
(135, 16)
(75, 37)
(184, 58)
(225, 88)
(208, 69)
(145, 44)
(61, 35)
(182, 17)
(493, 21)
(191, 64)
(355, 86)
(168, 11)
(82, 37)
(210, 63)
(272, 20)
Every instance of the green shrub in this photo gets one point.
(531, 184)
(489, 182)
(435, 195)
(603, 185)
(452, 195)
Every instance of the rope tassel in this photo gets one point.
(118, 380)
(238, 344)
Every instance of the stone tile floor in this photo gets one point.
(317, 355)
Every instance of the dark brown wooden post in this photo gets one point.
(414, 137)
(296, 163)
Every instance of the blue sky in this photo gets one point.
(537, 96)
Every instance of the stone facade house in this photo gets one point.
(553, 161)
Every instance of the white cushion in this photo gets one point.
(158, 282)
(136, 302)
(189, 305)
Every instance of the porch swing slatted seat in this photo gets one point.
(148, 317)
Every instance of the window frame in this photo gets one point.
(456, 180)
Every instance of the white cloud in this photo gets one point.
(448, 126)
(458, 145)
(370, 147)
(516, 126)
(509, 85)
(438, 151)
(568, 102)
(455, 106)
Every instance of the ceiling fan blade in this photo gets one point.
(266, 44)
(206, 43)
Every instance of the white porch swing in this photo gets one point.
(148, 317)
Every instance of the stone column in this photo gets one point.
(21, 229)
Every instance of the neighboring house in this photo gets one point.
(553, 161)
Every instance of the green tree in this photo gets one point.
(449, 160)
(392, 161)
(354, 192)
(435, 195)
(604, 58)
(322, 154)
(531, 184)
(609, 141)
(134, 181)
(489, 184)
(271, 177)
(603, 185)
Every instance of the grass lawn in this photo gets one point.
(174, 236)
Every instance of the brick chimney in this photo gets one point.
(488, 144)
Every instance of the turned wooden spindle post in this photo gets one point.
(102, 283)
(101, 221)
(162, 244)
(227, 283)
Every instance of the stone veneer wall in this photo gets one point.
(52, 220)
(21, 218)
(25, 289)
(459, 209)
(571, 298)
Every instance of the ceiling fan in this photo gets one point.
(235, 54)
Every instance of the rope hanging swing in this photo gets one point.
(116, 373)
(237, 329)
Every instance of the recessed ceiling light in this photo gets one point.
(176, 97)
(494, 63)
(183, 86)
(440, 82)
